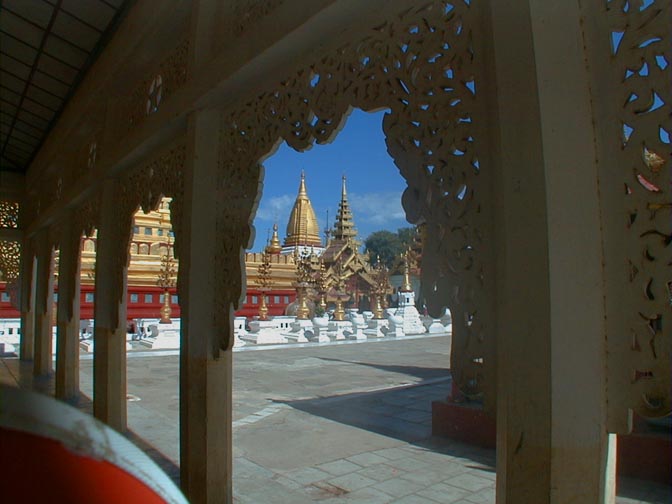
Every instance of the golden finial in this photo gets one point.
(274, 246)
(406, 287)
(302, 186)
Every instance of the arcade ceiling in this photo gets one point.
(46, 48)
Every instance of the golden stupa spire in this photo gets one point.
(406, 286)
(302, 228)
(302, 186)
(345, 226)
(274, 246)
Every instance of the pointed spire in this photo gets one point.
(274, 246)
(302, 228)
(302, 187)
(327, 230)
(344, 228)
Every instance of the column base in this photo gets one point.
(464, 422)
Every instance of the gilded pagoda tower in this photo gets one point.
(303, 232)
(341, 258)
(344, 228)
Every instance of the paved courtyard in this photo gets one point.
(331, 423)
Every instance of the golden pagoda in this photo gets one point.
(274, 246)
(152, 239)
(302, 228)
(152, 242)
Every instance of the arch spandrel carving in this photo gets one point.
(143, 187)
(238, 193)
(642, 58)
(423, 66)
(631, 53)
(170, 74)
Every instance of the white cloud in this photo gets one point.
(377, 208)
(275, 208)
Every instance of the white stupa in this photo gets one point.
(412, 324)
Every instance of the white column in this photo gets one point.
(211, 266)
(44, 291)
(28, 280)
(552, 443)
(109, 350)
(67, 342)
(205, 371)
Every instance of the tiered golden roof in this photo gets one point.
(345, 225)
(302, 228)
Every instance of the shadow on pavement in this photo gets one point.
(403, 413)
(425, 373)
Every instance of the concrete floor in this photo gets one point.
(330, 423)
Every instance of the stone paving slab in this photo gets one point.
(328, 424)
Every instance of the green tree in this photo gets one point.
(388, 245)
(383, 244)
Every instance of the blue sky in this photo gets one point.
(373, 181)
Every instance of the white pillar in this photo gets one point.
(211, 267)
(552, 442)
(28, 280)
(67, 342)
(44, 291)
(109, 350)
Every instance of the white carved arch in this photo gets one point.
(425, 68)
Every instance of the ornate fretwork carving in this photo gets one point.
(160, 84)
(238, 190)
(9, 214)
(639, 204)
(143, 187)
(87, 216)
(423, 67)
(10, 258)
(159, 177)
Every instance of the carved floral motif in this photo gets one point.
(160, 84)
